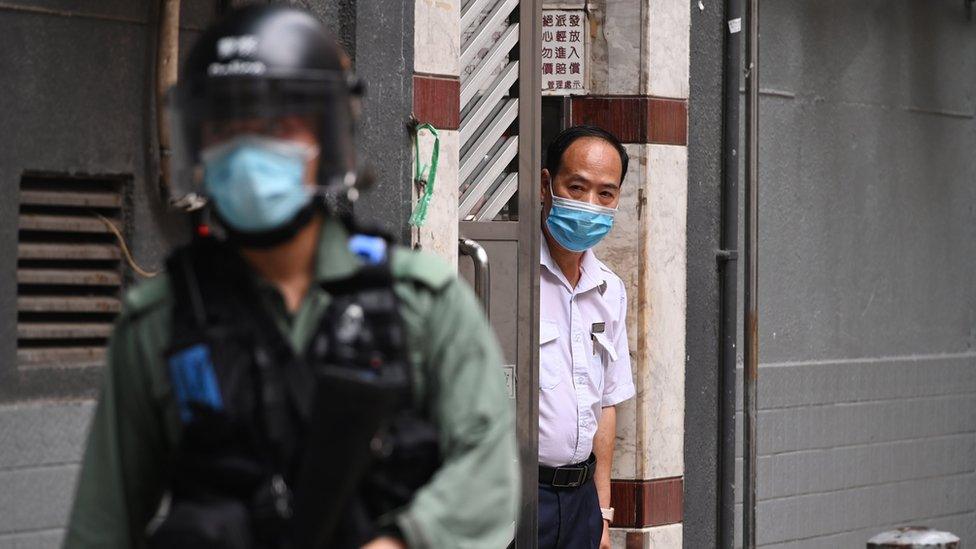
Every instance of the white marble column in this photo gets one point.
(641, 48)
(437, 50)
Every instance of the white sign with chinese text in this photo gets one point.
(563, 52)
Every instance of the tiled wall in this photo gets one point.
(40, 445)
(848, 449)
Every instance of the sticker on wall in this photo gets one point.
(509, 371)
(563, 52)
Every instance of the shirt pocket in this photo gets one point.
(550, 355)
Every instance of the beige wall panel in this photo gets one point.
(650, 434)
(625, 448)
(668, 42)
(615, 47)
(659, 537)
(620, 251)
(440, 233)
(622, 31)
(437, 37)
(664, 537)
(662, 382)
(639, 47)
(597, 49)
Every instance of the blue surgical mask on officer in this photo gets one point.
(576, 225)
(256, 182)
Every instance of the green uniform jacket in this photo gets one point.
(470, 502)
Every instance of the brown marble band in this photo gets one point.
(437, 100)
(644, 503)
(633, 119)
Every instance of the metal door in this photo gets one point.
(499, 202)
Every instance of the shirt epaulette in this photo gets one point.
(423, 267)
(612, 277)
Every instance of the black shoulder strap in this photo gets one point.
(210, 285)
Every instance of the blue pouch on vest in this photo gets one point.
(194, 380)
(371, 249)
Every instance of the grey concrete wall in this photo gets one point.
(867, 385)
(75, 97)
(384, 59)
(379, 38)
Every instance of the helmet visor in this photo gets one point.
(222, 108)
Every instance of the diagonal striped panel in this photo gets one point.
(489, 108)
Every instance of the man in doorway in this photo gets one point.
(584, 362)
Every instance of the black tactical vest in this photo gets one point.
(280, 450)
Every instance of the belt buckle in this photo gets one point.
(580, 475)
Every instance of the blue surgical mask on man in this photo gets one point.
(256, 182)
(578, 226)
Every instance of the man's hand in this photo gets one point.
(605, 540)
(387, 542)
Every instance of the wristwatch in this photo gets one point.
(607, 514)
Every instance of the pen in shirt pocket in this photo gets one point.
(596, 328)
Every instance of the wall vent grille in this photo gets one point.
(69, 270)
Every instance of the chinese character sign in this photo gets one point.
(563, 52)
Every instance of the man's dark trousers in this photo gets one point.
(569, 518)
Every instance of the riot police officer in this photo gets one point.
(294, 370)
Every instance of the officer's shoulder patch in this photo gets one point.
(422, 267)
(147, 295)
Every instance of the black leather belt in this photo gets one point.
(568, 476)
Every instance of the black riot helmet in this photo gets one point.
(265, 62)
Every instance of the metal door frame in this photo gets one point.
(530, 169)
(525, 232)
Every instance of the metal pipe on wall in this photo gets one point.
(167, 65)
(728, 264)
(751, 321)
